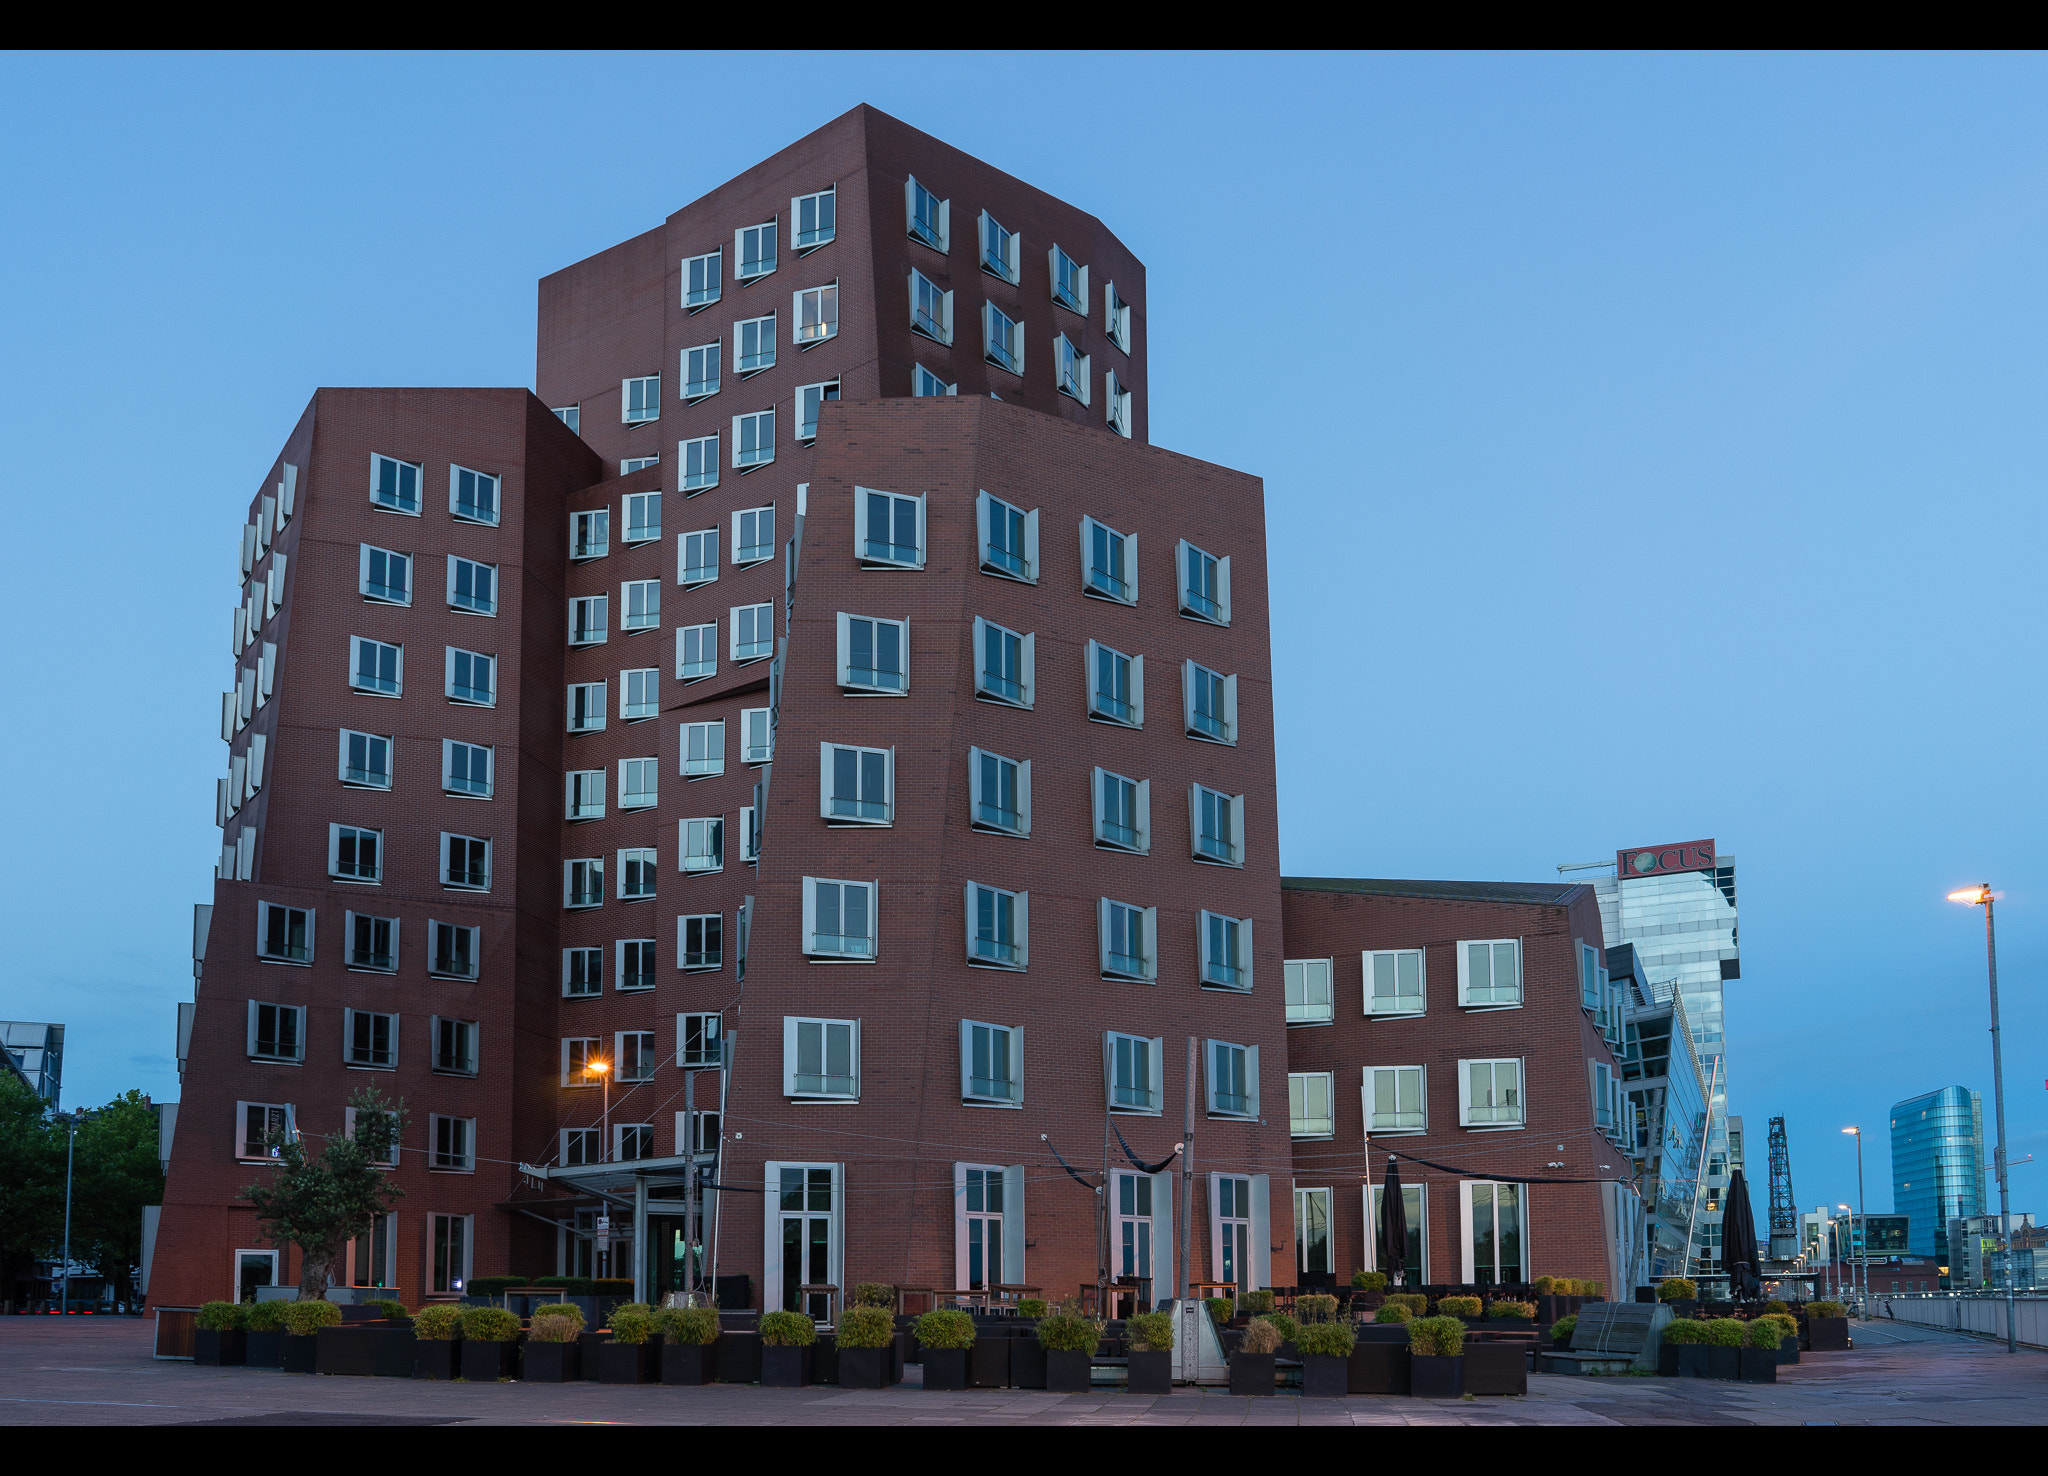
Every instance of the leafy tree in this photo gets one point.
(31, 1182)
(116, 1173)
(321, 1204)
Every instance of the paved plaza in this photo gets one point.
(99, 1371)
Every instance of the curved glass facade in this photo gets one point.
(1937, 1165)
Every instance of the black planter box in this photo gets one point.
(1496, 1368)
(1377, 1368)
(591, 1358)
(1788, 1351)
(266, 1349)
(626, 1363)
(1693, 1362)
(739, 1357)
(436, 1358)
(1758, 1365)
(1433, 1377)
(1148, 1373)
(1068, 1372)
(213, 1349)
(785, 1368)
(379, 1351)
(358, 1312)
(1384, 1332)
(945, 1368)
(486, 1363)
(1724, 1363)
(903, 1348)
(1506, 1324)
(1027, 1363)
(1251, 1373)
(864, 1368)
(1827, 1334)
(825, 1359)
(1667, 1359)
(301, 1354)
(1684, 1306)
(689, 1363)
(988, 1363)
(551, 1363)
(1324, 1376)
(906, 1339)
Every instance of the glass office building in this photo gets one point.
(1665, 1131)
(1675, 906)
(1937, 1165)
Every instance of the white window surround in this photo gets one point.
(590, 534)
(1142, 967)
(875, 679)
(1230, 1095)
(1395, 1099)
(454, 950)
(1308, 985)
(700, 845)
(1232, 935)
(853, 908)
(471, 678)
(643, 514)
(988, 776)
(640, 399)
(394, 485)
(451, 1144)
(1005, 664)
(639, 783)
(284, 934)
(1202, 691)
(1122, 1049)
(1109, 563)
(1311, 1105)
(638, 866)
(1116, 403)
(639, 693)
(696, 652)
(376, 668)
(813, 220)
(753, 345)
(753, 535)
(578, 1051)
(809, 405)
(586, 706)
(383, 577)
(753, 439)
(1396, 981)
(1070, 370)
(856, 785)
(1490, 974)
(1002, 340)
(1126, 673)
(880, 522)
(1209, 808)
(926, 385)
(355, 853)
(981, 1043)
(931, 309)
(1213, 609)
(702, 280)
(583, 883)
(582, 973)
(752, 632)
(366, 759)
(254, 1121)
(1520, 1196)
(1006, 538)
(1001, 250)
(931, 225)
(368, 959)
(700, 1039)
(821, 1044)
(697, 464)
(1249, 1229)
(1069, 280)
(750, 834)
(473, 496)
(709, 931)
(757, 736)
(460, 766)
(1116, 317)
(1492, 1094)
(589, 615)
(633, 1054)
(1122, 812)
(697, 557)
(700, 749)
(814, 315)
(639, 605)
(702, 367)
(990, 950)
(460, 869)
(753, 251)
(279, 1035)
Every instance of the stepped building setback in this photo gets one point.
(782, 802)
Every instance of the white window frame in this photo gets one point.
(1234, 841)
(1020, 928)
(939, 328)
(574, 1076)
(649, 617)
(1076, 302)
(1013, 1061)
(648, 772)
(709, 738)
(646, 529)
(589, 631)
(448, 783)
(942, 217)
(363, 585)
(1302, 972)
(1465, 986)
(985, 514)
(350, 959)
(847, 684)
(707, 651)
(740, 273)
(583, 546)
(1148, 970)
(1188, 670)
(1466, 1107)
(476, 950)
(1130, 547)
(1250, 1110)
(593, 713)
(1116, 317)
(713, 359)
(1116, 403)
(1141, 842)
(497, 482)
(763, 611)
(791, 1028)
(646, 861)
(1466, 1216)
(582, 1147)
(648, 680)
(450, 689)
(991, 354)
(648, 387)
(593, 980)
(742, 459)
(642, 1048)
(1027, 665)
(263, 911)
(807, 336)
(1184, 595)
(807, 430)
(714, 273)
(1203, 938)
(705, 570)
(298, 1014)
(390, 752)
(765, 348)
(707, 859)
(1001, 258)
(863, 546)
(691, 483)
(823, 236)
(1155, 1072)
(447, 837)
(683, 949)
(976, 793)
(1421, 956)
(245, 1151)
(419, 482)
(569, 415)
(709, 1028)
(1301, 1123)
(355, 645)
(1368, 1101)
(592, 895)
(812, 948)
(1096, 712)
(1071, 373)
(357, 878)
(1418, 1226)
(464, 1128)
(757, 736)
(827, 777)
(926, 385)
(750, 835)
(766, 550)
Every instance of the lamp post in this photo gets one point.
(1863, 1214)
(71, 1120)
(603, 1071)
(1973, 897)
(1848, 1247)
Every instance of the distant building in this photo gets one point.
(1938, 1164)
(1664, 1108)
(36, 1052)
(1978, 1252)
(1883, 1236)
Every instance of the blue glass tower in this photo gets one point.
(1937, 1165)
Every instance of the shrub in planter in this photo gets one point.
(1258, 1303)
(865, 1335)
(1826, 1309)
(629, 1357)
(1761, 1332)
(1436, 1363)
(1326, 1359)
(1392, 1312)
(1222, 1309)
(786, 1339)
(555, 1322)
(1724, 1332)
(1561, 1330)
(1683, 1353)
(1774, 1305)
(1032, 1307)
(219, 1336)
(575, 1286)
(689, 1344)
(488, 1325)
(1369, 1281)
(224, 1317)
(1724, 1336)
(437, 1351)
(1545, 1286)
(1251, 1366)
(302, 1324)
(1458, 1306)
(264, 1342)
(1416, 1303)
(490, 1344)
(875, 1294)
(263, 1317)
(1290, 1330)
(1501, 1311)
(1150, 1364)
(1316, 1308)
(439, 1322)
(554, 1352)
(944, 1337)
(1436, 1337)
(493, 1286)
(1069, 1340)
(1678, 1289)
(1782, 1327)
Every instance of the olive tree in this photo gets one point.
(322, 1203)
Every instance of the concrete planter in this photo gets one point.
(1251, 1373)
(1432, 1377)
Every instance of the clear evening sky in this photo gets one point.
(1653, 451)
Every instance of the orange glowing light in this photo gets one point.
(1971, 896)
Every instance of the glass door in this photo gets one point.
(984, 1228)
(1416, 1204)
(1495, 1217)
(805, 1207)
(1134, 1229)
(1312, 1236)
(370, 1255)
(1234, 1230)
(254, 1268)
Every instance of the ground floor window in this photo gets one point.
(254, 1268)
(1415, 1201)
(1496, 1240)
(980, 1225)
(448, 1249)
(372, 1259)
(805, 1225)
(1239, 1220)
(1312, 1234)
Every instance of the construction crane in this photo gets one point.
(1784, 1209)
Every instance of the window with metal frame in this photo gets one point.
(466, 768)
(639, 693)
(1310, 1105)
(811, 219)
(451, 1137)
(372, 942)
(753, 535)
(696, 652)
(991, 1064)
(284, 934)
(814, 315)
(700, 1040)
(643, 517)
(586, 707)
(1233, 1079)
(569, 415)
(1116, 404)
(753, 439)
(1490, 973)
(455, 1046)
(697, 557)
(395, 484)
(378, 667)
(472, 678)
(582, 971)
(1000, 249)
(1394, 980)
(998, 927)
(1306, 983)
(1396, 1099)
(472, 495)
(753, 632)
(1116, 317)
(465, 862)
(703, 748)
(637, 866)
(701, 280)
(1226, 951)
(365, 760)
(262, 1126)
(1127, 940)
(891, 528)
(700, 942)
(703, 843)
(809, 399)
(640, 399)
(385, 577)
(701, 370)
(1008, 538)
(453, 951)
(1204, 584)
(1135, 1067)
(1002, 339)
(585, 794)
(1109, 562)
(1216, 825)
(634, 1052)
(1490, 1093)
(925, 384)
(276, 1032)
(757, 736)
(1001, 795)
(639, 783)
(699, 462)
(590, 534)
(355, 853)
(839, 918)
(821, 1057)
(874, 654)
(1123, 812)
(931, 308)
(928, 218)
(1071, 374)
(753, 345)
(1116, 685)
(583, 882)
(1069, 281)
(856, 787)
(640, 605)
(588, 617)
(1005, 663)
(754, 248)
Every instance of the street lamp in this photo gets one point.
(1972, 897)
(71, 1120)
(603, 1071)
(1849, 1245)
(1861, 1214)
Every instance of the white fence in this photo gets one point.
(1981, 1313)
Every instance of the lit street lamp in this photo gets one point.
(603, 1069)
(1861, 1214)
(1973, 897)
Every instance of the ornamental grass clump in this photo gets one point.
(437, 1323)
(788, 1330)
(1436, 1337)
(632, 1322)
(489, 1325)
(1369, 1281)
(874, 1294)
(269, 1316)
(1326, 1340)
(1067, 1332)
(226, 1316)
(866, 1327)
(946, 1327)
(1825, 1309)
(1261, 1337)
(1392, 1312)
(1677, 1289)
(1725, 1332)
(1151, 1332)
(555, 1322)
(694, 1326)
(1458, 1306)
(303, 1319)
(1512, 1309)
(1315, 1308)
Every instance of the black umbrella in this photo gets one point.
(1393, 1224)
(1738, 1239)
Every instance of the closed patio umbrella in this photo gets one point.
(1393, 1243)
(1738, 1240)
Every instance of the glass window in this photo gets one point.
(1127, 941)
(640, 604)
(753, 344)
(1496, 1220)
(699, 556)
(639, 692)
(702, 942)
(924, 383)
(377, 668)
(365, 759)
(395, 484)
(284, 934)
(999, 249)
(638, 783)
(1070, 369)
(753, 536)
(635, 1054)
(455, 1047)
(1209, 704)
(858, 784)
(873, 653)
(453, 951)
(824, 1061)
(1069, 282)
(981, 1205)
(1312, 1232)
(1490, 973)
(1116, 317)
(704, 748)
(1394, 979)
(1216, 825)
(699, 461)
(571, 416)
(1121, 812)
(1205, 584)
(640, 399)
(472, 677)
(704, 844)
(1008, 537)
(1114, 684)
(372, 942)
(586, 707)
(1309, 999)
(1134, 1072)
(590, 534)
(892, 528)
(451, 1137)
(467, 862)
(1226, 951)
(1001, 792)
(1110, 557)
(753, 439)
(700, 1041)
(275, 1031)
(1398, 1102)
(811, 218)
(696, 652)
(809, 398)
(1493, 1093)
(757, 739)
(636, 873)
(1002, 339)
(1230, 1092)
(700, 370)
(931, 309)
(1116, 404)
(928, 215)
(842, 918)
(473, 495)
(355, 853)
(466, 768)
(990, 1075)
(1310, 1113)
(816, 315)
(582, 971)
(997, 935)
(1133, 1231)
(756, 250)
(1004, 670)
(386, 576)
(583, 883)
(643, 516)
(753, 632)
(701, 280)
(587, 620)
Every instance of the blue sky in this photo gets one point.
(1653, 450)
